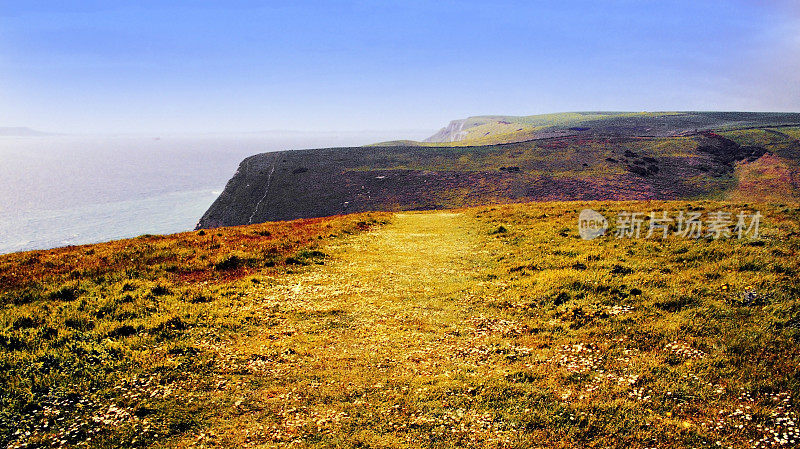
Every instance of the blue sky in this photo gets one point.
(236, 65)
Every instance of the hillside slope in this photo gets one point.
(615, 164)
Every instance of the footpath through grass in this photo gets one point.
(356, 345)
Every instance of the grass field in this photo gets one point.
(495, 129)
(483, 327)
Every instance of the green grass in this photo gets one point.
(484, 327)
(494, 129)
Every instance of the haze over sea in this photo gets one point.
(69, 190)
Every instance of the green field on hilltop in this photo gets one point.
(495, 129)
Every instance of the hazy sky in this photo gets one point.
(228, 66)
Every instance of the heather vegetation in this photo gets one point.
(495, 326)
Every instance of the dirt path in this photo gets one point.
(388, 309)
(386, 292)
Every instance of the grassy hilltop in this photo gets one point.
(497, 129)
(494, 326)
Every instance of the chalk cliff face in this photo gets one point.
(583, 166)
(453, 132)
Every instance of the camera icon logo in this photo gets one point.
(591, 224)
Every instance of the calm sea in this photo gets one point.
(68, 190)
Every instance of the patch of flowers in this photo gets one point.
(579, 358)
(684, 350)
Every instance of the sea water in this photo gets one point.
(69, 190)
